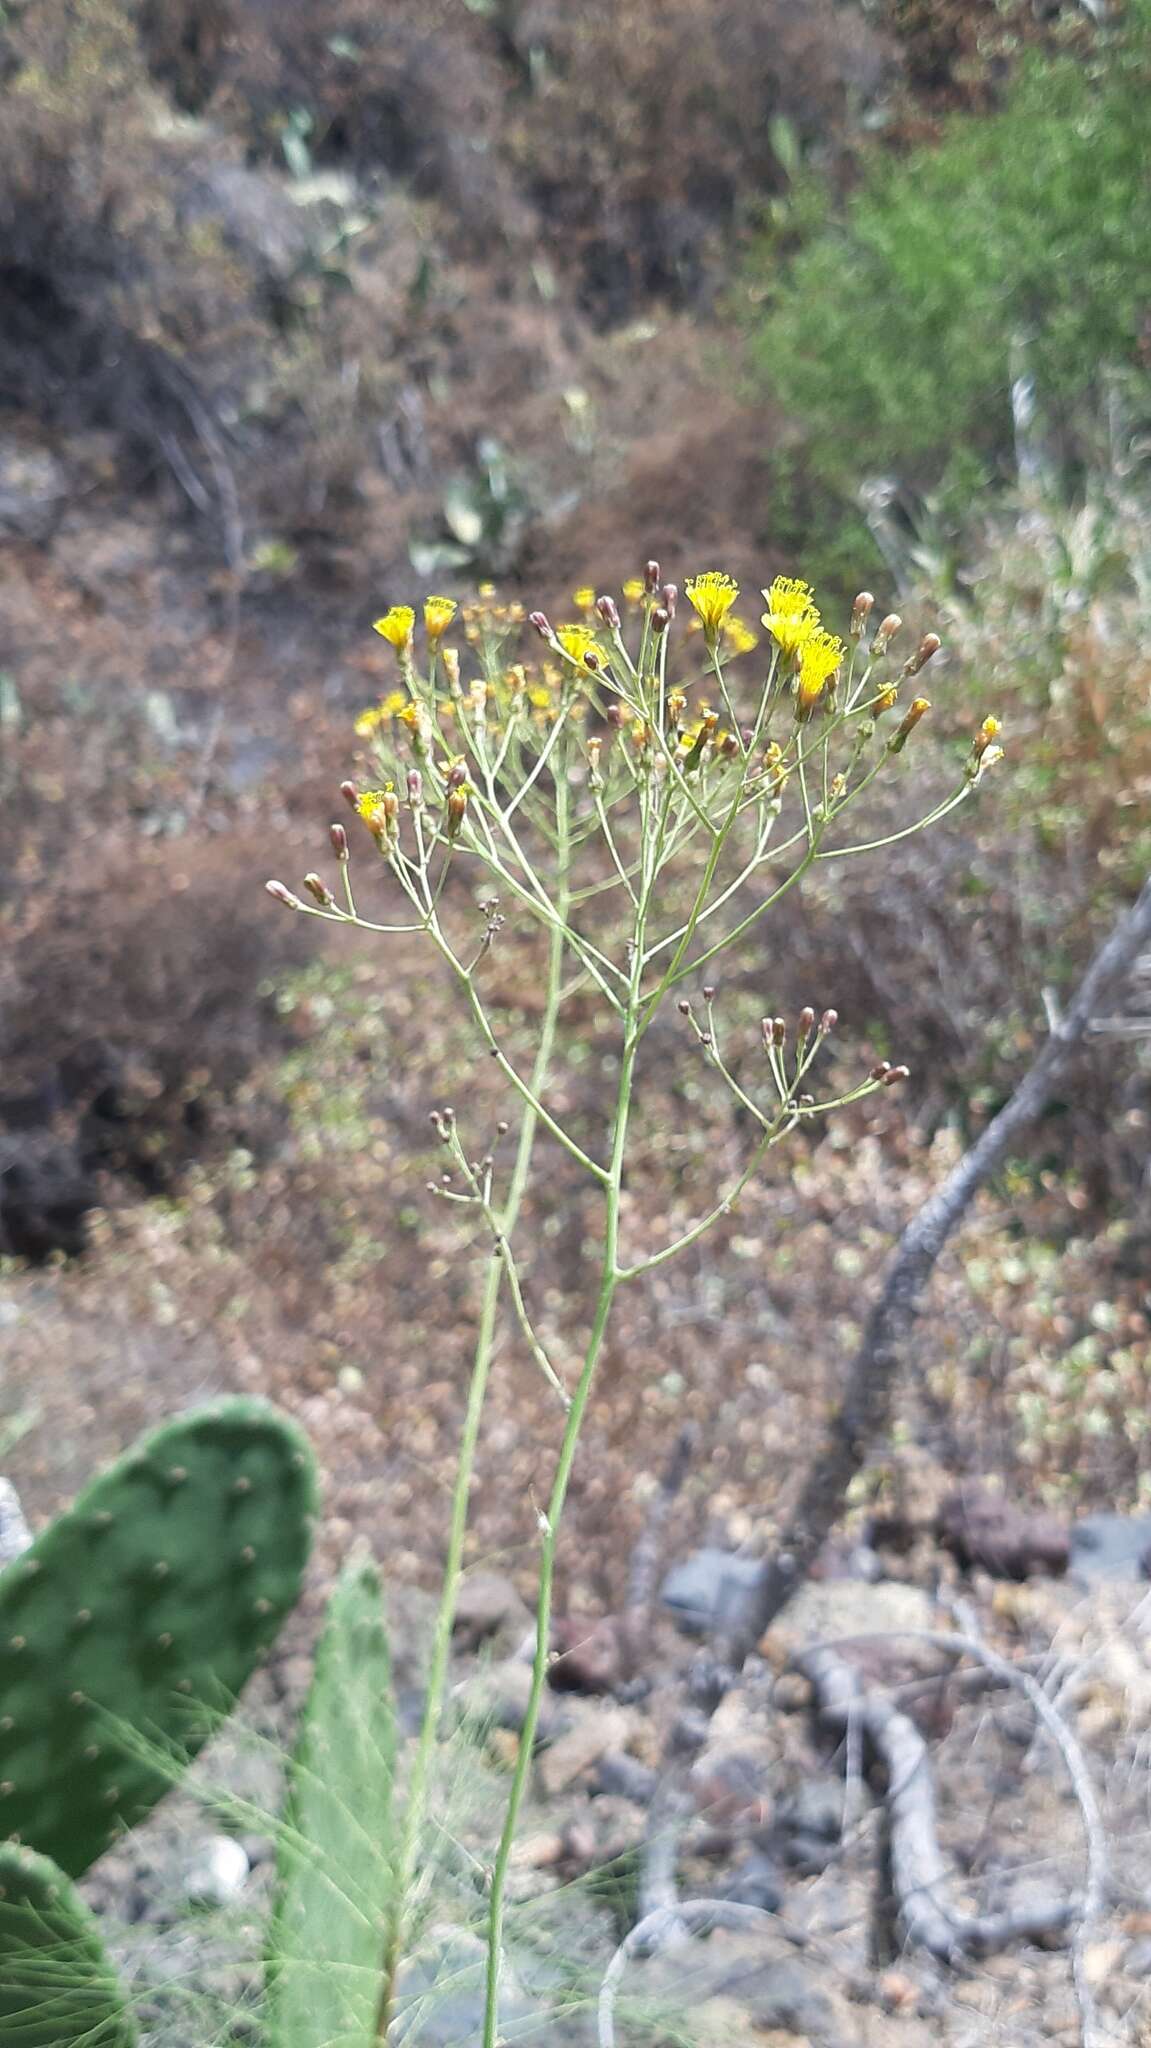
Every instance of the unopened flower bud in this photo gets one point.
(916, 710)
(339, 839)
(929, 645)
(283, 895)
(859, 613)
(615, 715)
(806, 1021)
(320, 890)
(988, 731)
(592, 660)
(828, 1022)
(457, 774)
(542, 624)
(669, 597)
(451, 660)
(651, 576)
(888, 629)
(351, 795)
(415, 787)
(608, 611)
(778, 1030)
(684, 1007)
(880, 1070)
(660, 619)
(709, 992)
(457, 809)
(896, 1074)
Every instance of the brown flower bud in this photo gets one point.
(669, 597)
(929, 645)
(888, 629)
(457, 774)
(880, 1070)
(457, 809)
(351, 795)
(651, 576)
(615, 715)
(608, 611)
(660, 619)
(709, 992)
(415, 787)
(320, 890)
(778, 1030)
(859, 613)
(339, 839)
(806, 1021)
(896, 1074)
(828, 1022)
(542, 624)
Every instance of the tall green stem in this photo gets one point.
(610, 1276)
(461, 1493)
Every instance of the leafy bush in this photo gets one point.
(895, 329)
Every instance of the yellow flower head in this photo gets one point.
(584, 598)
(819, 657)
(738, 637)
(791, 616)
(634, 589)
(369, 722)
(397, 625)
(438, 615)
(576, 641)
(712, 596)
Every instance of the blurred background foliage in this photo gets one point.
(310, 305)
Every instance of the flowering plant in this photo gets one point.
(645, 798)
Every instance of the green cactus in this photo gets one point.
(336, 1860)
(129, 1627)
(57, 1987)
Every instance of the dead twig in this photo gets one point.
(863, 1414)
(660, 1930)
(919, 1871)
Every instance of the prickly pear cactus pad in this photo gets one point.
(130, 1626)
(57, 1987)
(336, 1860)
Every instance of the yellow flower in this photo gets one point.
(791, 616)
(438, 615)
(738, 636)
(369, 722)
(712, 596)
(820, 655)
(397, 625)
(634, 589)
(584, 598)
(576, 641)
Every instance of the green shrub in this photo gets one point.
(894, 330)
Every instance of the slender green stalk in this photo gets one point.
(415, 1814)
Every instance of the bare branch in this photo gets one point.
(863, 1414)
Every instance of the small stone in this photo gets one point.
(757, 1883)
(598, 1729)
(710, 1586)
(588, 1654)
(984, 1528)
(488, 1606)
(218, 1873)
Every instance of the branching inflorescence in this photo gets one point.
(646, 810)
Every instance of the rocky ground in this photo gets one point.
(776, 1818)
